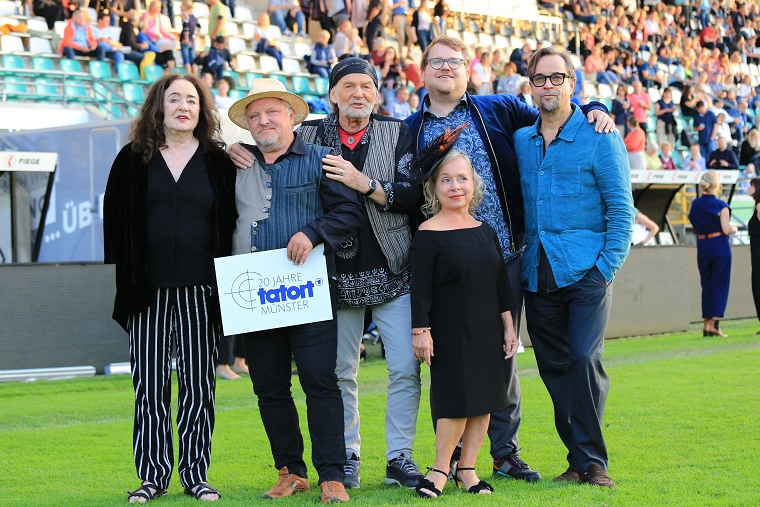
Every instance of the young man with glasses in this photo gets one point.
(579, 214)
(488, 141)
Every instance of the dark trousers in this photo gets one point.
(177, 319)
(314, 349)
(714, 263)
(374, 30)
(754, 248)
(231, 347)
(567, 331)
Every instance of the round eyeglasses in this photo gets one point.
(539, 80)
(437, 63)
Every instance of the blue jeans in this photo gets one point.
(231, 5)
(423, 38)
(394, 321)
(321, 71)
(167, 7)
(567, 328)
(99, 53)
(116, 56)
(282, 19)
(706, 148)
(313, 347)
(704, 17)
(188, 53)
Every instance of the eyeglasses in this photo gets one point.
(539, 80)
(437, 63)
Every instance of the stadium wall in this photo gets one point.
(55, 315)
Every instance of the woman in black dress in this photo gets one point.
(753, 226)
(462, 328)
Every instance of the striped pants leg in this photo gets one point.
(177, 319)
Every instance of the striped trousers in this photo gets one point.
(178, 319)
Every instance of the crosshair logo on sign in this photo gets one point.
(243, 290)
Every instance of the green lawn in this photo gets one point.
(682, 428)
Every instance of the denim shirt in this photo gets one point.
(577, 200)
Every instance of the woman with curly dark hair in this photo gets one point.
(169, 210)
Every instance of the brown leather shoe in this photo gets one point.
(333, 492)
(287, 485)
(596, 476)
(569, 475)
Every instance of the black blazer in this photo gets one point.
(125, 225)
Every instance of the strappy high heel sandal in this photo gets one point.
(477, 488)
(429, 485)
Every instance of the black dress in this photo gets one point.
(753, 227)
(459, 290)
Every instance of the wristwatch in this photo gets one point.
(372, 187)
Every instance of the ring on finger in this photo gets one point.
(340, 171)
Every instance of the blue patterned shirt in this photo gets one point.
(469, 142)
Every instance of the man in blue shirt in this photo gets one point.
(705, 123)
(579, 215)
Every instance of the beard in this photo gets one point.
(549, 104)
(350, 112)
(270, 144)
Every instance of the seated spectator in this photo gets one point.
(525, 94)
(596, 66)
(694, 161)
(414, 102)
(689, 98)
(509, 84)
(51, 10)
(749, 173)
(347, 41)
(666, 157)
(217, 59)
(377, 55)
(480, 76)
(520, 57)
(750, 147)
(102, 33)
(323, 56)
(724, 130)
(635, 143)
(581, 11)
(722, 158)
(78, 39)
(223, 86)
(621, 110)
(392, 74)
(742, 124)
(651, 76)
(413, 75)
(399, 107)
(285, 13)
(267, 47)
(718, 108)
(154, 28)
(188, 36)
(652, 158)
(132, 37)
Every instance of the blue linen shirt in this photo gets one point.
(577, 199)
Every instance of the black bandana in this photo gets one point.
(352, 66)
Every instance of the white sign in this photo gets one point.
(28, 161)
(667, 177)
(264, 290)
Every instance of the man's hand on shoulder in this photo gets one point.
(604, 122)
(241, 157)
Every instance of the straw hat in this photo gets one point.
(266, 88)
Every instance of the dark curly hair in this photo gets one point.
(147, 132)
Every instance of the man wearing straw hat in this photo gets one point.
(372, 156)
(284, 201)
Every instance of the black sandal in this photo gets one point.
(203, 489)
(477, 488)
(144, 491)
(429, 485)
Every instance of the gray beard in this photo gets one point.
(269, 146)
(548, 105)
(349, 112)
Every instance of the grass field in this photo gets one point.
(682, 427)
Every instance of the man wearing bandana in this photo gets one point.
(373, 153)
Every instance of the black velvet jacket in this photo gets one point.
(125, 225)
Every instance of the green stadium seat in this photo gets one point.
(322, 85)
(70, 65)
(13, 62)
(240, 79)
(282, 78)
(15, 88)
(180, 70)
(254, 75)
(133, 92)
(301, 85)
(102, 71)
(77, 91)
(105, 93)
(153, 73)
(111, 113)
(238, 94)
(47, 89)
(43, 64)
(128, 73)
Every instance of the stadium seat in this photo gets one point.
(238, 94)
(42, 64)
(281, 78)
(245, 62)
(13, 62)
(36, 24)
(47, 89)
(8, 8)
(268, 64)
(11, 44)
(153, 73)
(105, 94)
(180, 70)
(301, 85)
(291, 65)
(240, 80)
(77, 91)
(200, 10)
(15, 88)
(243, 13)
(129, 73)
(236, 45)
(69, 65)
(133, 92)
(321, 85)
(301, 49)
(102, 70)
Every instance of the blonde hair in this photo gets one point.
(710, 181)
(432, 205)
(753, 137)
